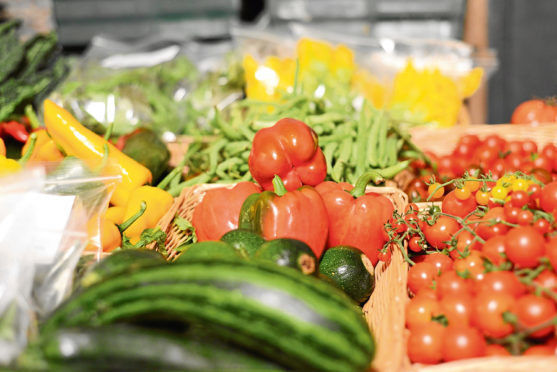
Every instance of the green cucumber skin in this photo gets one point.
(120, 347)
(243, 240)
(343, 265)
(208, 249)
(305, 322)
(288, 252)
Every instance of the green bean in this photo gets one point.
(246, 132)
(329, 151)
(201, 178)
(214, 154)
(227, 164)
(325, 118)
(381, 142)
(319, 130)
(234, 148)
(244, 167)
(360, 155)
(224, 128)
(392, 171)
(391, 152)
(177, 171)
(245, 155)
(372, 141)
(344, 154)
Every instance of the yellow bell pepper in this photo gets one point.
(2, 148)
(111, 238)
(79, 141)
(45, 148)
(115, 214)
(8, 166)
(158, 202)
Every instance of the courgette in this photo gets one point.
(208, 249)
(290, 318)
(290, 253)
(245, 241)
(146, 147)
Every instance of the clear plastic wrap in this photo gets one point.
(43, 231)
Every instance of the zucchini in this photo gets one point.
(350, 269)
(148, 149)
(125, 348)
(290, 318)
(290, 253)
(244, 241)
(208, 249)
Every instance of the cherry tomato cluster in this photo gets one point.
(483, 272)
(492, 155)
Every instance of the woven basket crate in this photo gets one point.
(385, 309)
(443, 141)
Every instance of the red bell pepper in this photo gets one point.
(15, 130)
(290, 150)
(218, 211)
(355, 218)
(298, 214)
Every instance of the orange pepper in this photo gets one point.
(2, 148)
(45, 148)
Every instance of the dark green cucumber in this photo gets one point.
(208, 249)
(147, 148)
(290, 318)
(350, 269)
(290, 253)
(125, 348)
(244, 241)
(123, 261)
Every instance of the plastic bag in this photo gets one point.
(42, 235)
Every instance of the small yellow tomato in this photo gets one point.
(435, 190)
(482, 197)
(472, 186)
(462, 194)
(499, 192)
(520, 184)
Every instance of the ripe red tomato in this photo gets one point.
(525, 217)
(450, 283)
(417, 189)
(511, 213)
(551, 252)
(415, 244)
(441, 261)
(421, 275)
(486, 229)
(548, 280)
(425, 343)
(496, 350)
(469, 139)
(419, 311)
(548, 197)
(524, 246)
(542, 350)
(542, 226)
(540, 171)
(495, 141)
(473, 264)
(464, 242)
(487, 313)
(549, 151)
(519, 198)
(502, 281)
(533, 310)
(485, 156)
(457, 309)
(463, 342)
(529, 147)
(464, 150)
(449, 166)
(456, 207)
(494, 250)
(514, 147)
(514, 162)
(534, 111)
(441, 231)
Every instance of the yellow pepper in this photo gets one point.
(158, 202)
(2, 148)
(8, 166)
(111, 238)
(115, 214)
(79, 141)
(45, 148)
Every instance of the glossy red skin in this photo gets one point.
(298, 214)
(535, 111)
(548, 197)
(462, 342)
(219, 210)
(357, 222)
(533, 310)
(460, 208)
(290, 150)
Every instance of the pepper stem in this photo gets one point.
(278, 186)
(361, 184)
(33, 120)
(127, 223)
(30, 149)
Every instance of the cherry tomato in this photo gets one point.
(541, 174)
(425, 343)
(464, 150)
(417, 190)
(440, 232)
(524, 218)
(411, 208)
(541, 350)
(519, 198)
(549, 151)
(542, 226)
(482, 197)
(533, 310)
(435, 190)
(473, 264)
(462, 194)
(548, 280)
(487, 313)
(499, 192)
(524, 246)
(502, 281)
(441, 261)
(472, 186)
(485, 156)
(450, 283)
(420, 310)
(470, 139)
(548, 197)
(514, 162)
(385, 256)
(421, 275)
(496, 350)
(428, 293)
(456, 207)
(463, 342)
(534, 190)
(534, 111)
(511, 213)
(457, 309)
(514, 147)
(494, 141)
(529, 147)
(551, 252)
(487, 229)
(465, 242)
(415, 244)
(494, 250)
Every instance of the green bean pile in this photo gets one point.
(353, 141)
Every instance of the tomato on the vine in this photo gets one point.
(415, 244)
(534, 111)
(421, 275)
(441, 261)
(462, 342)
(472, 264)
(524, 246)
(525, 217)
(541, 350)
(457, 309)
(425, 343)
(487, 228)
(548, 197)
(450, 283)
(533, 311)
(457, 207)
(542, 226)
(420, 310)
(511, 213)
(487, 313)
(494, 250)
(502, 281)
(464, 243)
(519, 198)
(551, 252)
(384, 256)
(441, 231)
(482, 197)
(546, 279)
(496, 350)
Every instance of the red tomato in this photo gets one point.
(529, 147)
(425, 343)
(524, 246)
(549, 151)
(421, 275)
(449, 166)
(514, 162)
(551, 252)
(464, 150)
(473, 264)
(469, 139)
(525, 217)
(548, 280)
(511, 213)
(417, 190)
(542, 226)
(533, 310)
(463, 342)
(540, 172)
(514, 147)
(420, 310)
(542, 350)
(498, 168)
(415, 244)
(450, 283)
(494, 250)
(485, 156)
(457, 309)
(534, 111)
(496, 350)
(494, 141)
(486, 229)
(519, 198)
(487, 313)
(502, 281)
(441, 261)
(441, 231)
(548, 197)
(456, 207)
(464, 242)
(384, 256)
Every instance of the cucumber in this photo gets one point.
(350, 269)
(290, 253)
(292, 319)
(243, 240)
(208, 249)
(122, 261)
(146, 147)
(125, 348)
